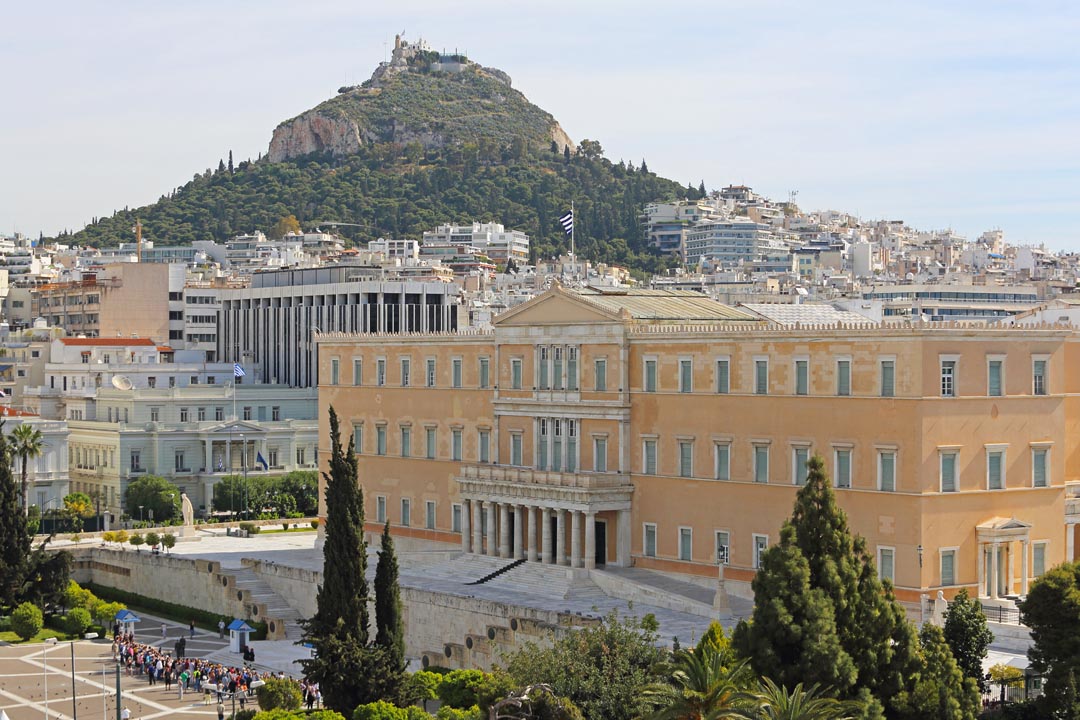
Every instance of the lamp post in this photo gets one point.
(45, 662)
(243, 463)
(140, 515)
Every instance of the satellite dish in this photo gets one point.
(121, 382)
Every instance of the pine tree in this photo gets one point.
(940, 690)
(968, 636)
(221, 166)
(701, 190)
(389, 629)
(230, 163)
(644, 167)
(566, 154)
(343, 595)
(14, 539)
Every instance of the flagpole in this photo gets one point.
(573, 256)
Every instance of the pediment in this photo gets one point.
(234, 427)
(555, 307)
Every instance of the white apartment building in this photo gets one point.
(725, 243)
(492, 239)
(47, 474)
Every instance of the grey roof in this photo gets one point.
(674, 305)
(805, 314)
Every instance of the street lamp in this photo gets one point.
(140, 514)
(45, 663)
(243, 463)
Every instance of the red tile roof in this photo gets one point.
(107, 342)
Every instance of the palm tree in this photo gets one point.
(775, 702)
(26, 442)
(702, 686)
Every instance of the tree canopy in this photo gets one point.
(158, 497)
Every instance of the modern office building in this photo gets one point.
(667, 431)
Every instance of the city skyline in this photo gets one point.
(944, 117)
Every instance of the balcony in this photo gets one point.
(583, 490)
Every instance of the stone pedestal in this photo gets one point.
(721, 604)
(187, 531)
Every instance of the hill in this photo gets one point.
(415, 146)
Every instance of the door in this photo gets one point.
(601, 542)
(510, 528)
(554, 537)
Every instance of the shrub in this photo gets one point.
(281, 693)
(27, 621)
(415, 713)
(121, 537)
(448, 713)
(276, 714)
(76, 538)
(168, 540)
(422, 685)
(136, 541)
(153, 539)
(249, 528)
(464, 688)
(245, 714)
(76, 621)
(172, 611)
(324, 715)
(380, 710)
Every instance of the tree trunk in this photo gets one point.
(26, 500)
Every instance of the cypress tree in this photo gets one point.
(968, 636)
(342, 598)
(14, 538)
(389, 628)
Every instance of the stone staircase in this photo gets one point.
(272, 608)
(666, 591)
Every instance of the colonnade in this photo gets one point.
(486, 530)
(996, 569)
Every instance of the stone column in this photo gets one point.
(1026, 550)
(1011, 569)
(622, 539)
(545, 536)
(504, 530)
(466, 537)
(560, 537)
(228, 455)
(532, 534)
(575, 538)
(1070, 542)
(208, 456)
(492, 548)
(993, 571)
(519, 532)
(208, 494)
(590, 541)
(477, 507)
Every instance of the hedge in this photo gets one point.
(171, 611)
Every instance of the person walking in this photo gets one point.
(191, 625)
(220, 710)
(163, 631)
(221, 629)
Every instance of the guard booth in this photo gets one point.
(127, 620)
(239, 631)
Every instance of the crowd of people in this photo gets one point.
(213, 680)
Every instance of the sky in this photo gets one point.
(944, 114)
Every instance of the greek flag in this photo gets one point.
(567, 222)
(260, 460)
(238, 371)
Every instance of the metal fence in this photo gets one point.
(1005, 615)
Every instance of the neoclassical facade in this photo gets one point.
(665, 430)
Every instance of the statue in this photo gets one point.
(186, 510)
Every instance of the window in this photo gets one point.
(430, 378)
(151, 381)
(431, 442)
(380, 509)
(380, 372)
(686, 544)
(485, 372)
(843, 468)
(300, 456)
(843, 377)
(272, 457)
(1038, 467)
(275, 412)
(406, 442)
(406, 512)
(335, 366)
(886, 557)
(993, 378)
(542, 362)
(649, 543)
(571, 446)
(380, 439)
(178, 461)
(202, 414)
(1038, 559)
(1038, 377)
(995, 464)
(357, 372)
(761, 463)
(600, 375)
(556, 444)
(155, 414)
(948, 567)
(761, 377)
(484, 441)
(183, 414)
(761, 544)
(888, 378)
(799, 456)
(429, 514)
(193, 380)
(571, 368)
(723, 376)
(887, 470)
(948, 472)
(247, 412)
(723, 547)
(455, 518)
(455, 437)
(686, 376)
(948, 378)
(802, 377)
(515, 374)
(723, 461)
(600, 454)
(648, 457)
(650, 376)
(455, 368)
(219, 413)
(557, 375)
(515, 449)
(136, 461)
(358, 437)
(686, 458)
(406, 366)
